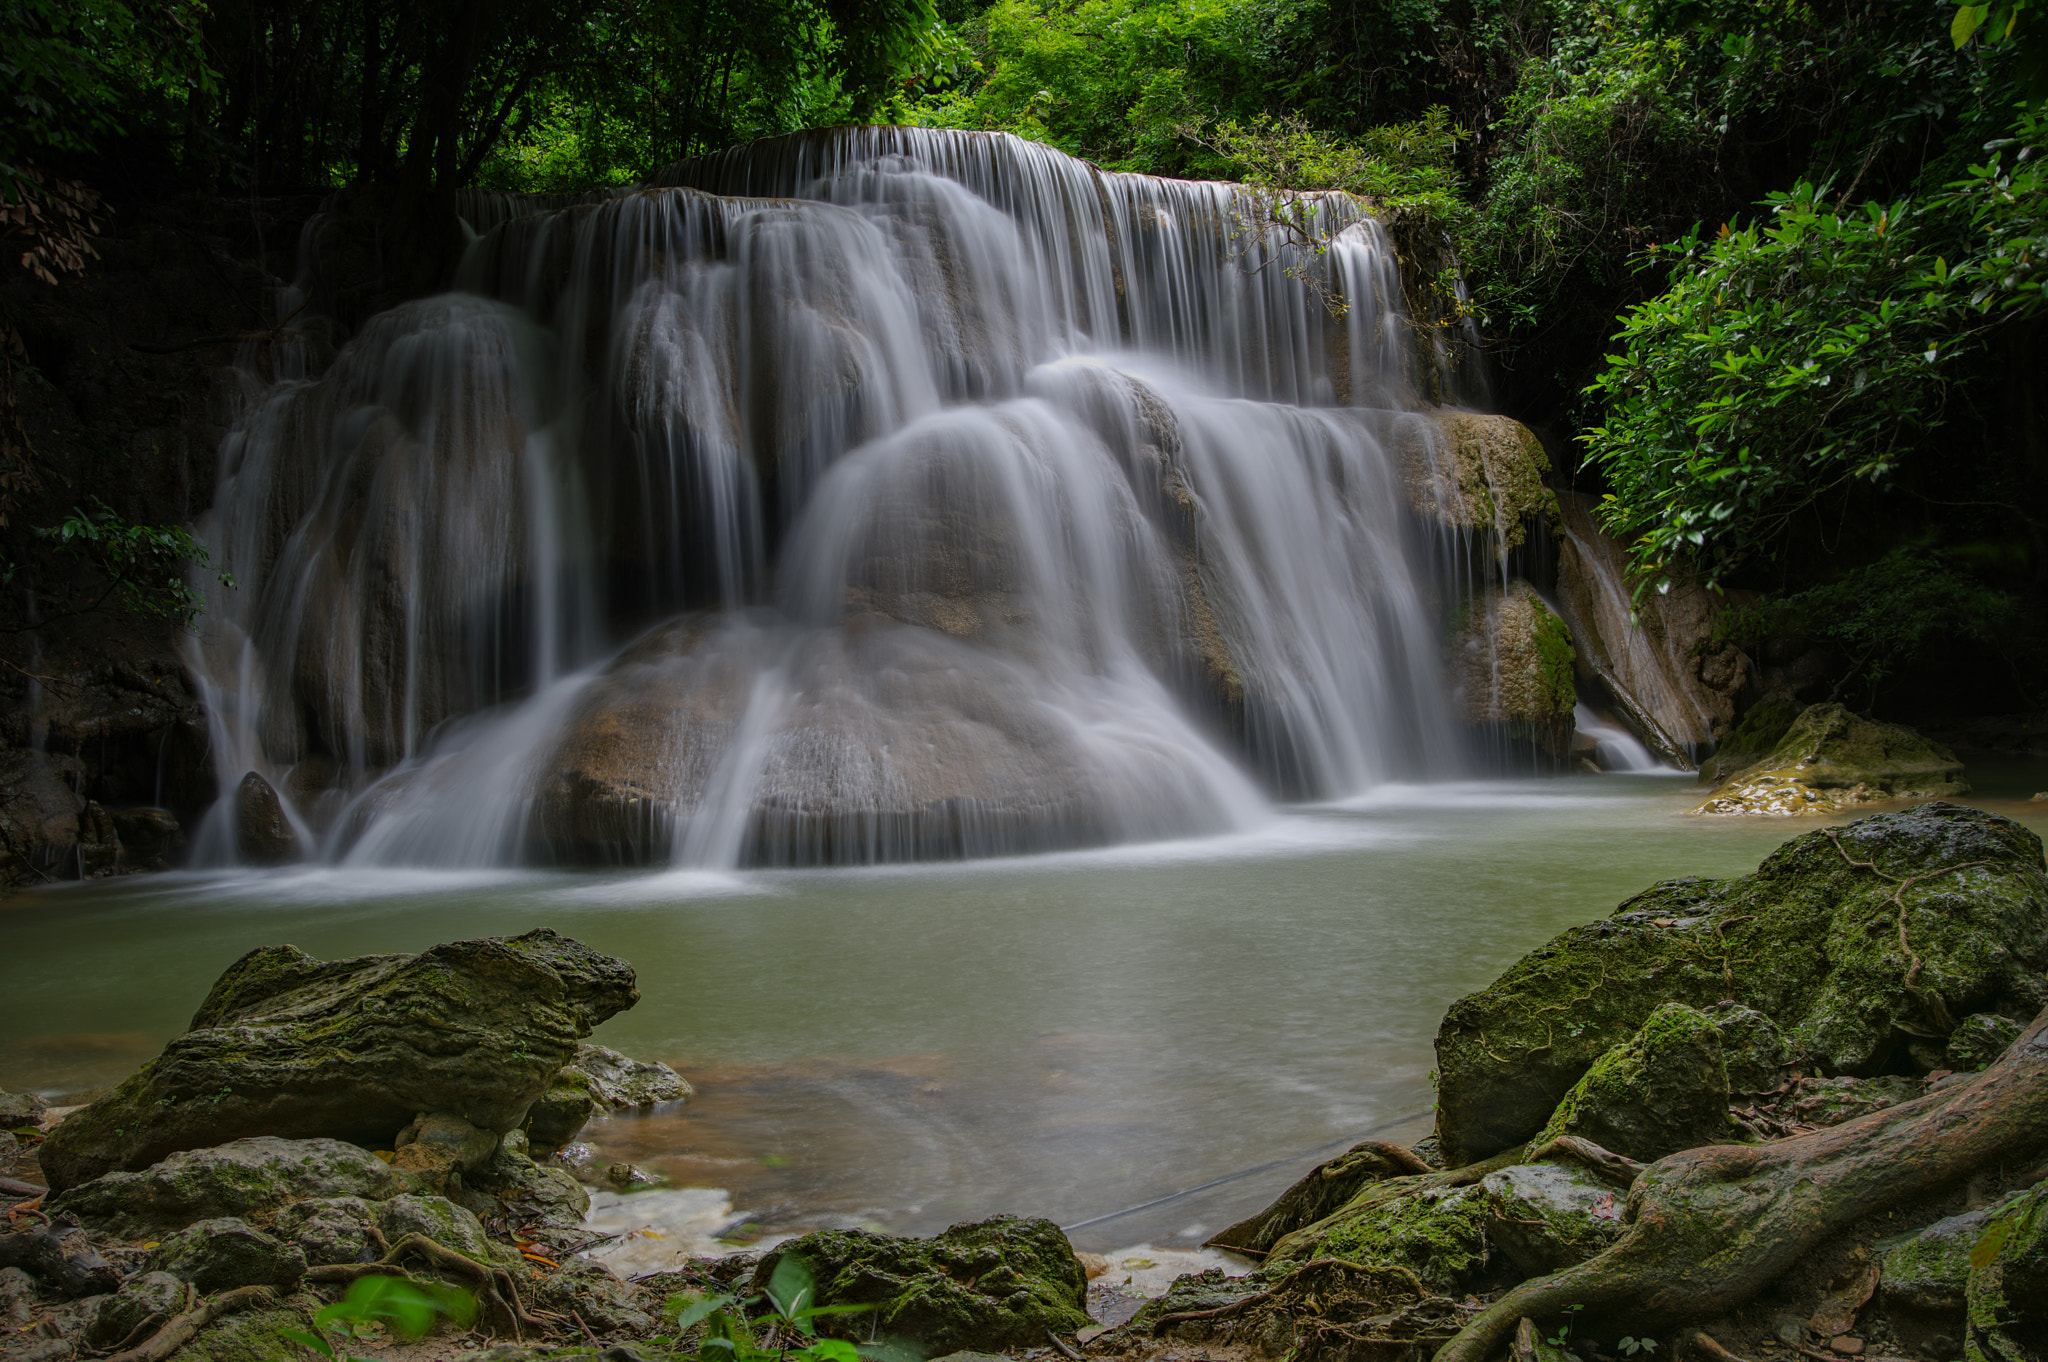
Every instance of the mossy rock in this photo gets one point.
(253, 1335)
(1831, 758)
(1511, 663)
(250, 1179)
(1662, 1090)
(2006, 1301)
(1978, 1039)
(1759, 730)
(355, 1049)
(996, 1284)
(1326, 1189)
(149, 1298)
(216, 1255)
(1437, 1233)
(1810, 940)
(1931, 1270)
(1547, 1216)
(1831, 1101)
(1472, 472)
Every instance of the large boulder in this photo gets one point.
(1859, 943)
(1831, 758)
(993, 1286)
(1510, 668)
(249, 1179)
(354, 1049)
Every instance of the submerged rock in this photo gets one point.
(356, 1049)
(1811, 940)
(249, 1178)
(1831, 758)
(994, 1285)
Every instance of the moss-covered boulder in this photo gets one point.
(994, 1285)
(1762, 726)
(1930, 1271)
(214, 1255)
(1475, 473)
(1978, 1039)
(1831, 758)
(1437, 1233)
(355, 1049)
(1510, 668)
(250, 1179)
(1546, 1216)
(2006, 1300)
(1324, 1190)
(1662, 1090)
(1858, 942)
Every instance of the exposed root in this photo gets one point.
(496, 1284)
(185, 1327)
(1709, 1228)
(1938, 1012)
(1700, 1346)
(1601, 1162)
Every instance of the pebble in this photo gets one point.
(1848, 1345)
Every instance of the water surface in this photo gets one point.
(909, 1047)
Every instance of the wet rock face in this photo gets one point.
(1471, 472)
(1831, 758)
(995, 1285)
(1511, 666)
(355, 1049)
(263, 835)
(1811, 940)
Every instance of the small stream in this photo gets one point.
(1064, 1035)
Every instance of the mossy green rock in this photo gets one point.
(1662, 1090)
(2006, 1300)
(250, 1179)
(253, 1335)
(1931, 1270)
(1832, 757)
(215, 1255)
(355, 1049)
(996, 1284)
(149, 1298)
(1547, 1216)
(1759, 730)
(1326, 1189)
(1811, 940)
(1978, 1039)
(1437, 1233)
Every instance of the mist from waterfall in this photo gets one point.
(859, 495)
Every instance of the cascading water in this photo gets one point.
(853, 496)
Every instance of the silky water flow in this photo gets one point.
(853, 496)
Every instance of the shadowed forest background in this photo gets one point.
(1766, 276)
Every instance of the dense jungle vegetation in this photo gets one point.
(1765, 273)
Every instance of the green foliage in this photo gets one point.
(376, 1306)
(142, 567)
(1896, 611)
(779, 1325)
(1631, 1347)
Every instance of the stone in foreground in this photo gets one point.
(354, 1049)
(1812, 940)
(995, 1285)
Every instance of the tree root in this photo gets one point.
(1709, 1228)
(185, 1327)
(495, 1283)
(1593, 1158)
(1701, 1346)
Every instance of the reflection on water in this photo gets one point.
(914, 1046)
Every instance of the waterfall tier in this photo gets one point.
(861, 495)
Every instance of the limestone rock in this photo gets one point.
(1437, 1233)
(1810, 940)
(1930, 1270)
(1663, 1090)
(19, 1109)
(620, 1082)
(437, 1148)
(994, 1285)
(1511, 669)
(143, 1303)
(1831, 758)
(1978, 1039)
(1473, 472)
(263, 835)
(246, 1178)
(565, 1108)
(435, 1218)
(217, 1254)
(1753, 1049)
(1547, 1216)
(1762, 727)
(354, 1049)
(330, 1229)
(2005, 1302)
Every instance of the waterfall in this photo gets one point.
(858, 495)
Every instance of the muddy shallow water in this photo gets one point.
(1065, 1036)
